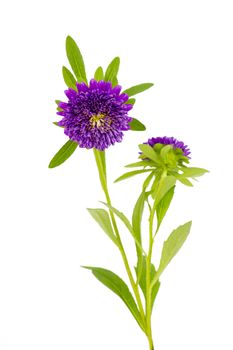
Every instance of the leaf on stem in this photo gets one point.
(63, 154)
(163, 206)
(112, 71)
(131, 173)
(101, 216)
(164, 186)
(131, 101)
(69, 78)
(76, 60)
(99, 74)
(137, 89)
(120, 288)
(136, 125)
(149, 152)
(193, 172)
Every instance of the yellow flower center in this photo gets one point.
(99, 121)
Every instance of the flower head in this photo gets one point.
(95, 116)
(170, 141)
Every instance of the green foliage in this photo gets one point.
(101, 216)
(63, 154)
(99, 74)
(69, 78)
(136, 125)
(142, 282)
(112, 71)
(171, 246)
(120, 288)
(136, 224)
(131, 101)
(192, 172)
(164, 185)
(137, 89)
(76, 60)
(131, 173)
(163, 206)
(149, 152)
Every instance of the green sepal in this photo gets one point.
(63, 154)
(101, 216)
(99, 74)
(120, 288)
(136, 125)
(149, 152)
(137, 89)
(130, 101)
(112, 71)
(76, 60)
(69, 78)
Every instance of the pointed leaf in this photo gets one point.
(171, 246)
(69, 78)
(137, 89)
(163, 206)
(143, 163)
(112, 70)
(149, 152)
(99, 74)
(185, 181)
(193, 172)
(131, 173)
(164, 186)
(63, 154)
(136, 224)
(130, 101)
(76, 60)
(142, 282)
(101, 216)
(136, 125)
(120, 288)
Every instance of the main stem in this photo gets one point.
(103, 181)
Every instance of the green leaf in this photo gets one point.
(57, 102)
(143, 163)
(185, 181)
(101, 216)
(148, 180)
(142, 282)
(131, 101)
(171, 246)
(63, 154)
(164, 186)
(163, 206)
(149, 152)
(137, 89)
(136, 125)
(112, 70)
(99, 74)
(131, 173)
(76, 60)
(114, 81)
(69, 78)
(193, 172)
(127, 223)
(136, 224)
(120, 288)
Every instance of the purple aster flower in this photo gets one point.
(95, 116)
(170, 141)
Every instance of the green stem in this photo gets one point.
(103, 180)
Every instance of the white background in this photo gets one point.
(46, 300)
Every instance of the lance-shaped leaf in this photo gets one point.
(163, 206)
(149, 152)
(76, 60)
(164, 186)
(185, 181)
(127, 223)
(131, 173)
(112, 70)
(136, 224)
(69, 78)
(130, 101)
(136, 125)
(142, 282)
(102, 217)
(99, 74)
(171, 246)
(142, 163)
(137, 89)
(193, 172)
(63, 154)
(120, 288)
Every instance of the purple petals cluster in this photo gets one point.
(170, 141)
(95, 116)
